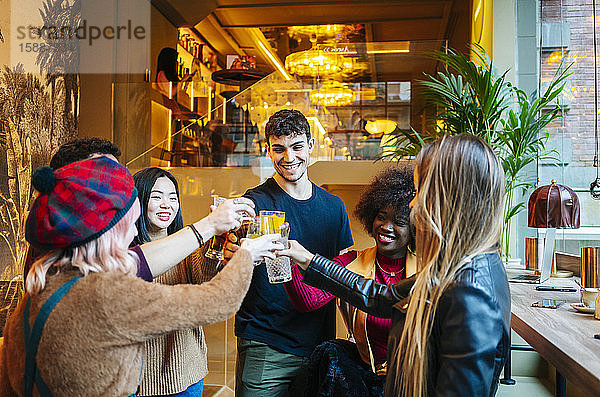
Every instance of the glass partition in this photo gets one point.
(200, 124)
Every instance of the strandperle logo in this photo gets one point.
(84, 31)
(80, 36)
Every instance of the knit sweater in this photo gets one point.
(93, 341)
(175, 361)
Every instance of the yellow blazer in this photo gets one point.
(356, 320)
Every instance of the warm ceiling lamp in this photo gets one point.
(380, 126)
(332, 94)
(318, 63)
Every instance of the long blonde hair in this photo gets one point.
(457, 214)
(107, 253)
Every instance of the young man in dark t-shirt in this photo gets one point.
(273, 337)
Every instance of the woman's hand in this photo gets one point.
(228, 215)
(262, 247)
(298, 254)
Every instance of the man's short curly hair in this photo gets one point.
(80, 149)
(287, 122)
(393, 186)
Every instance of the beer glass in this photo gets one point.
(279, 269)
(277, 218)
(254, 228)
(244, 229)
(215, 248)
(254, 232)
(246, 220)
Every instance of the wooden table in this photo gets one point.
(563, 336)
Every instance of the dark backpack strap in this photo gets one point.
(32, 338)
(41, 385)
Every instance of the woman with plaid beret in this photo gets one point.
(157, 256)
(80, 328)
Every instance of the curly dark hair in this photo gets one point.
(287, 122)
(80, 149)
(393, 186)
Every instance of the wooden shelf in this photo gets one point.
(188, 58)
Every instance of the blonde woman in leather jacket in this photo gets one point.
(451, 322)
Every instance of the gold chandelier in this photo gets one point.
(332, 94)
(312, 63)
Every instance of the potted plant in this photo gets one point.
(469, 97)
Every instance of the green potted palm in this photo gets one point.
(468, 96)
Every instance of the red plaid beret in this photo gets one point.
(78, 202)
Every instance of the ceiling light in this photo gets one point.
(332, 94)
(312, 63)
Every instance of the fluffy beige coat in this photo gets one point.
(93, 341)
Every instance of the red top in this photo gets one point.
(306, 298)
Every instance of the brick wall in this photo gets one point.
(578, 122)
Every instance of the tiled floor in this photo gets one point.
(221, 343)
(525, 387)
(217, 391)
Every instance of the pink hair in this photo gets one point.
(107, 253)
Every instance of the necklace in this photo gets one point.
(391, 274)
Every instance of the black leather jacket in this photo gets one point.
(470, 336)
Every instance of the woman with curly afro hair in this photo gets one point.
(357, 366)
